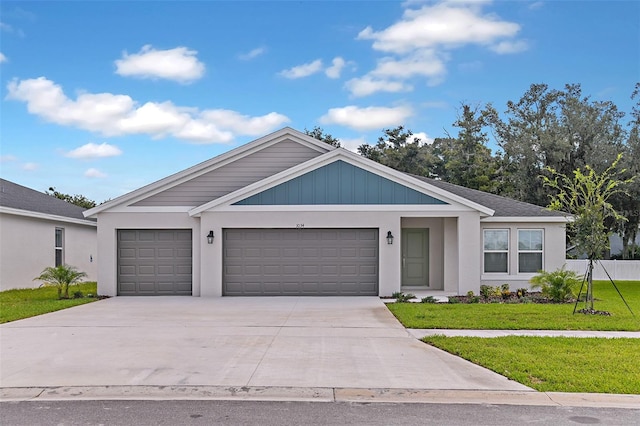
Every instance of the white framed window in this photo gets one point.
(496, 250)
(59, 246)
(530, 250)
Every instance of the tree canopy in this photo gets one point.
(78, 200)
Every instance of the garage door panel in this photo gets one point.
(300, 262)
(154, 262)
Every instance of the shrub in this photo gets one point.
(428, 299)
(78, 295)
(522, 292)
(486, 291)
(559, 285)
(504, 291)
(453, 300)
(402, 298)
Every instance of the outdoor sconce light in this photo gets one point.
(210, 237)
(389, 238)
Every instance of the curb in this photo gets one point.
(317, 394)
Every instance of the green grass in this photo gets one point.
(25, 303)
(554, 364)
(528, 316)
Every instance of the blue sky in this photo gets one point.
(100, 98)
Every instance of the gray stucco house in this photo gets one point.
(37, 231)
(287, 214)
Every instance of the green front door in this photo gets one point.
(415, 257)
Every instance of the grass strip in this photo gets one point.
(554, 364)
(29, 302)
(528, 316)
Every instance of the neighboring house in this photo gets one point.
(290, 215)
(37, 231)
(615, 242)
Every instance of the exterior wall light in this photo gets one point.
(389, 238)
(210, 237)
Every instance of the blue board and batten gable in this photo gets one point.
(338, 183)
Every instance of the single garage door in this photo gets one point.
(307, 262)
(154, 262)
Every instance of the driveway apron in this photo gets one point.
(250, 341)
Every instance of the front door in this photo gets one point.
(415, 257)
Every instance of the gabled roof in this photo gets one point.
(351, 158)
(503, 207)
(18, 199)
(212, 164)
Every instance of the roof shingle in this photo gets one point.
(503, 207)
(20, 197)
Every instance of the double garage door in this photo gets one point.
(300, 262)
(256, 262)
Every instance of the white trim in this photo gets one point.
(518, 251)
(328, 158)
(534, 219)
(508, 251)
(150, 209)
(46, 216)
(212, 164)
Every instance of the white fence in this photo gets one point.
(617, 269)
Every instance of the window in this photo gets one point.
(496, 251)
(59, 246)
(530, 243)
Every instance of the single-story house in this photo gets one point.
(37, 231)
(288, 214)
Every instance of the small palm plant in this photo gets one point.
(61, 277)
(558, 285)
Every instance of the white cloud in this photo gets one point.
(245, 124)
(303, 70)
(3, 58)
(7, 158)
(446, 24)
(115, 115)
(336, 68)
(368, 118)
(6, 27)
(424, 138)
(424, 63)
(536, 5)
(352, 144)
(178, 64)
(367, 85)
(30, 166)
(507, 46)
(92, 150)
(254, 53)
(95, 173)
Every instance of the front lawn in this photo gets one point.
(529, 316)
(554, 364)
(28, 302)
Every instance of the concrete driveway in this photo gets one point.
(269, 341)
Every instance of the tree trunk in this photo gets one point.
(589, 295)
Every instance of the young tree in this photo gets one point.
(61, 277)
(587, 197)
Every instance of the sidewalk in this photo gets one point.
(318, 394)
(420, 333)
